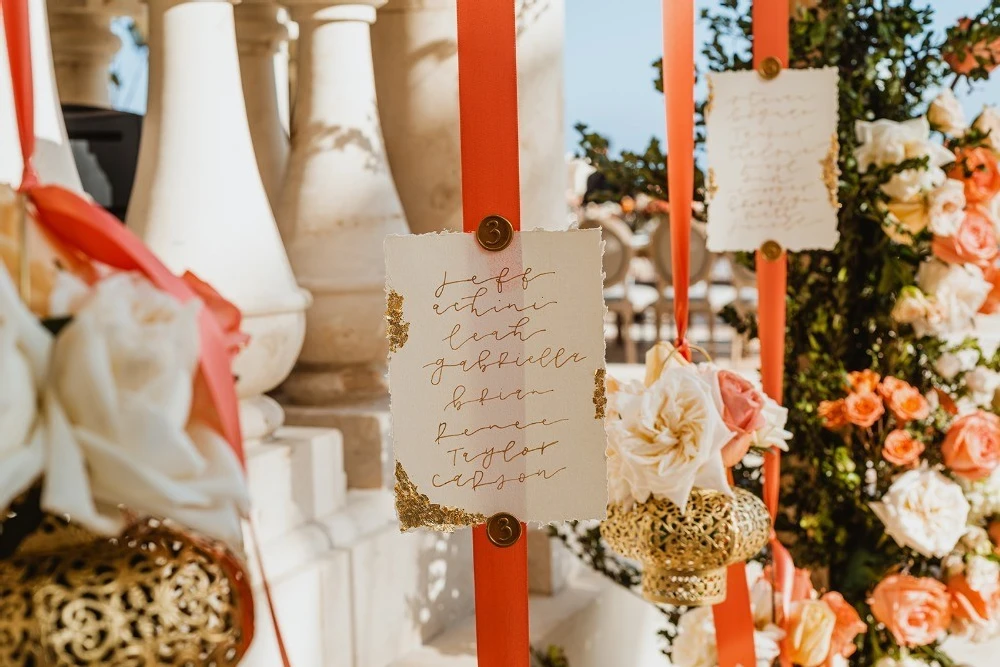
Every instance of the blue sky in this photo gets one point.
(609, 81)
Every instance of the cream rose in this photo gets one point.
(885, 142)
(810, 631)
(911, 306)
(947, 115)
(989, 122)
(925, 511)
(946, 208)
(906, 220)
(668, 439)
(119, 405)
(957, 293)
(694, 645)
(911, 186)
(24, 352)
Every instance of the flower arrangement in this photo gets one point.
(683, 428)
(101, 400)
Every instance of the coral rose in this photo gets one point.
(901, 449)
(975, 242)
(742, 407)
(977, 168)
(915, 610)
(833, 415)
(972, 446)
(906, 402)
(863, 409)
(891, 385)
(848, 626)
(809, 633)
(862, 381)
(969, 604)
(989, 53)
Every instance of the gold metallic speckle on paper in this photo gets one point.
(710, 100)
(417, 511)
(398, 331)
(831, 172)
(712, 185)
(600, 395)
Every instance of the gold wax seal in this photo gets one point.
(771, 250)
(770, 68)
(503, 529)
(495, 233)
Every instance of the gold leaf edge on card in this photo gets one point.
(712, 185)
(831, 172)
(600, 393)
(416, 510)
(398, 331)
(710, 100)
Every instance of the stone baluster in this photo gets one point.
(262, 39)
(83, 47)
(199, 201)
(53, 157)
(338, 204)
(416, 73)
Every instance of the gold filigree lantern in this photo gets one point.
(153, 596)
(684, 556)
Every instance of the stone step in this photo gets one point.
(598, 623)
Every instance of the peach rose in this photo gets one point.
(972, 446)
(987, 52)
(975, 242)
(968, 604)
(915, 610)
(833, 415)
(977, 168)
(741, 413)
(862, 381)
(863, 409)
(809, 631)
(907, 403)
(848, 626)
(891, 385)
(901, 449)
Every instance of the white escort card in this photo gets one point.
(772, 160)
(496, 371)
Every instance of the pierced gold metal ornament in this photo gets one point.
(684, 556)
(154, 596)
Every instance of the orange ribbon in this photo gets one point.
(487, 78)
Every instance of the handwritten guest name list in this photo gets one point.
(496, 358)
(772, 158)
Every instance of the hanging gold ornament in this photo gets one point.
(684, 556)
(154, 596)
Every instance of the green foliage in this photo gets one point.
(840, 302)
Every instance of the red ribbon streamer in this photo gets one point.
(487, 77)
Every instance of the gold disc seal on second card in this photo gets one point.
(503, 529)
(495, 233)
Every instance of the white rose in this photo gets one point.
(948, 366)
(957, 291)
(947, 207)
(977, 541)
(903, 661)
(911, 306)
(24, 352)
(983, 575)
(886, 142)
(983, 496)
(122, 382)
(694, 645)
(925, 511)
(911, 185)
(947, 115)
(772, 433)
(989, 122)
(668, 440)
(983, 383)
(767, 644)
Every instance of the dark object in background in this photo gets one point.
(105, 146)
